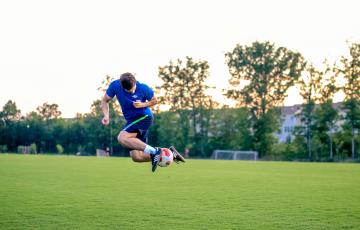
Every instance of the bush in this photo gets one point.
(33, 148)
(20, 149)
(81, 150)
(3, 148)
(283, 151)
(59, 149)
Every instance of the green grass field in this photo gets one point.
(52, 192)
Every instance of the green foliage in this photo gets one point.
(283, 151)
(307, 119)
(230, 129)
(194, 120)
(49, 111)
(20, 149)
(3, 149)
(81, 149)
(318, 87)
(184, 90)
(33, 148)
(167, 132)
(325, 117)
(352, 108)
(299, 144)
(264, 128)
(269, 71)
(59, 149)
(350, 70)
(184, 84)
(104, 85)
(10, 112)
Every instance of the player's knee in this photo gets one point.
(122, 138)
(135, 157)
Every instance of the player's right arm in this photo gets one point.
(105, 109)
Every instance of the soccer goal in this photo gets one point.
(234, 155)
(101, 153)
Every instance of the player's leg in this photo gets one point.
(130, 140)
(140, 150)
(133, 142)
(143, 136)
(139, 156)
(129, 136)
(134, 137)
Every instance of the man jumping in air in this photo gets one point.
(135, 99)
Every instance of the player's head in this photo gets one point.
(128, 81)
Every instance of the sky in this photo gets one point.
(60, 51)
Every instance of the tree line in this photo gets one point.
(261, 74)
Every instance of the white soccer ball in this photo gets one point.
(166, 157)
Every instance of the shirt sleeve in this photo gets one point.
(149, 93)
(111, 90)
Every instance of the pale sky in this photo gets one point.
(60, 51)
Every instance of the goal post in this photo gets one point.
(234, 155)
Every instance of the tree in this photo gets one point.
(9, 128)
(269, 72)
(350, 70)
(184, 90)
(49, 111)
(317, 87)
(35, 127)
(165, 131)
(101, 136)
(326, 115)
(104, 85)
(10, 112)
(230, 129)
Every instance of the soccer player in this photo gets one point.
(135, 98)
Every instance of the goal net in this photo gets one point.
(234, 155)
(101, 153)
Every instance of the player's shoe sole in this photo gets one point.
(155, 159)
(177, 156)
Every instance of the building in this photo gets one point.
(290, 119)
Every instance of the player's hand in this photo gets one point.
(105, 120)
(138, 104)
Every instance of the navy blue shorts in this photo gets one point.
(140, 126)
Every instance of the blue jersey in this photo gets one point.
(142, 93)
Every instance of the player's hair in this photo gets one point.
(127, 80)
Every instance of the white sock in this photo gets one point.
(149, 150)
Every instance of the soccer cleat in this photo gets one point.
(177, 156)
(155, 159)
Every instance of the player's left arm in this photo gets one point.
(139, 104)
(148, 96)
